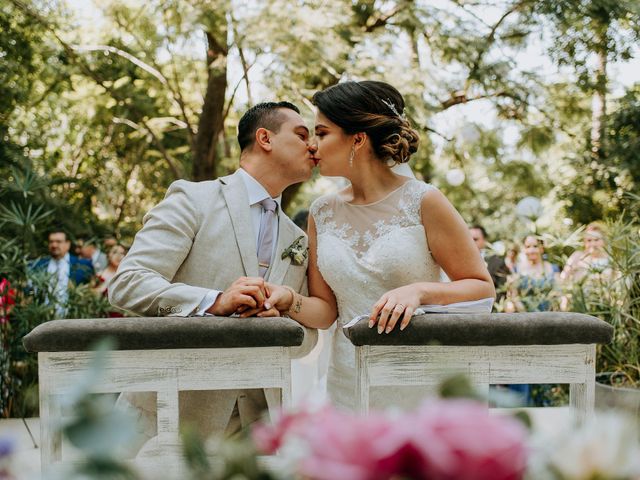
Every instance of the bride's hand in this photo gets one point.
(278, 301)
(392, 305)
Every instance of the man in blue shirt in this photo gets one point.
(63, 267)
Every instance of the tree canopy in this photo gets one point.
(98, 117)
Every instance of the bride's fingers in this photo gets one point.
(375, 311)
(408, 313)
(384, 315)
(395, 315)
(272, 312)
(250, 312)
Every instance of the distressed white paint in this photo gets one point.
(428, 365)
(165, 372)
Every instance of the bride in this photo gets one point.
(379, 245)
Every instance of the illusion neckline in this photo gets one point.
(377, 201)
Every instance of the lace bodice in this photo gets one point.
(364, 251)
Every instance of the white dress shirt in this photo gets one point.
(60, 269)
(256, 193)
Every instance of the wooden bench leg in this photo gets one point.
(362, 380)
(168, 411)
(286, 392)
(582, 395)
(50, 435)
(50, 413)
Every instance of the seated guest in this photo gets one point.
(114, 257)
(77, 247)
(535, 278)
(495, 263)
(511, 257)
(593, 259)
(91, 252)
(63, 267)
(109, 242)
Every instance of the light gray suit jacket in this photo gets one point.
(200, 238)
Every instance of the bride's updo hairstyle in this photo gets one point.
(375, 108)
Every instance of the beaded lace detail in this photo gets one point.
(400, 209)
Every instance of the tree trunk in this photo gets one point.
(211, 122)
(599, 105)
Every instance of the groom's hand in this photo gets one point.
(246, 293)
(278, 301)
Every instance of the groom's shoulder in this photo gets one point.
(193, 189)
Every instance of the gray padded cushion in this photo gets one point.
(539, 328)
(151, 333)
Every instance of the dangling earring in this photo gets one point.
(352, 154)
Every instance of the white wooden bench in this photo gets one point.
(164, 355)
(542, 347)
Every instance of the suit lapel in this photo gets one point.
(286, 235)
(235, 195)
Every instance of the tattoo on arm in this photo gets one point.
(297, 304)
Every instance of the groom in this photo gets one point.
(208, 247)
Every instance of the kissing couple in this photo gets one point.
(225, 247)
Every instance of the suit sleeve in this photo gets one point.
(143, 284)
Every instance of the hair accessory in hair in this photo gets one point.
(392, 107)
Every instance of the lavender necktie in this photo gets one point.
(266, 237)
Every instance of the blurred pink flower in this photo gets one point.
(269, 437)
(443, 440)
(7, 300)
(460, 440)
(344, 445)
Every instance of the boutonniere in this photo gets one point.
(297, 251)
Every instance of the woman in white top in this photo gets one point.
(377, 247)
(593, 259)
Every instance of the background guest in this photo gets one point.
(114, 257)
(92, 252)
(593, 259)
(109, 242)
(533, 285)
(511, 256)
(495, 263)
(77, 247)
(63, 267)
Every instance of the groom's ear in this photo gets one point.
(263, 139)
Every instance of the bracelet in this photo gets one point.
(296, 305)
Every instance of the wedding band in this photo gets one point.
(399, 305)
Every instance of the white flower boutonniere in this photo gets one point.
(297, 251)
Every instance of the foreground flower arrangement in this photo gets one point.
(452, 439)
(446, 440)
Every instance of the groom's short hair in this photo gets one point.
(262, 115)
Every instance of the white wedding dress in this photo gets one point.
(363, 252)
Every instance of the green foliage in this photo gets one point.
(238, 459)
(581, 28)
(615, 297)
(25, 215)
(112, 114)
(622, 147)
(598, 189)
(35, 302)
